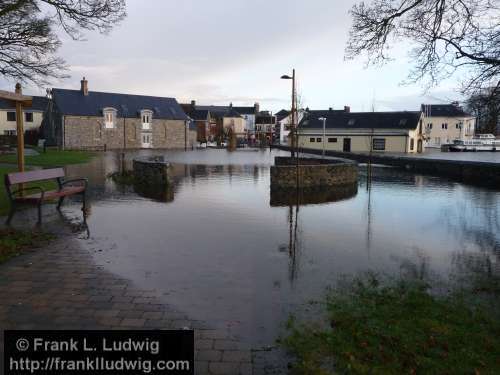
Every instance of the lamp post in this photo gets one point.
(324, 134)
(293, 125)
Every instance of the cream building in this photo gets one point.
(234, 121)
(443, 123)
(398, 132)
(33, 115)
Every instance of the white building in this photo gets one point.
(443, 123)
(33, 115)
(283, 122)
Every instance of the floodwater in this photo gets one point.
(222, 249)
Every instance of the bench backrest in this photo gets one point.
(31, 176)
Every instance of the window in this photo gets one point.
(378, 144)
(312, 140)
(444, 126)
(332, 140)
(351, 121)
(146, 119)
(429, 126)
(437, 140)
(9, 132)
(109, 117)
(319, 140)
(11, 116)
(412, 144)
(28, 116)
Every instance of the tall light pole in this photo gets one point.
(294, 124)
(324, 134)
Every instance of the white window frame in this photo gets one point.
(109, 117)
(146, 119)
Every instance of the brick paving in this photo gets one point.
(60, 287)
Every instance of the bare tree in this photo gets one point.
(28, 39)
(448, 37)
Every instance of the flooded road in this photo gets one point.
(219, 249)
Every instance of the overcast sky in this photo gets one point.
(219, 51)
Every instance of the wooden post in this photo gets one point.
(20, 134)
(20, 130)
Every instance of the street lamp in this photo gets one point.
(324, 126)
(294, 126)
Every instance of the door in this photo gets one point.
(347, 145)
(146, 140)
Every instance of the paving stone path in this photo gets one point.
(60, 287)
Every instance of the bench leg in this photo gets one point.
(11, 214)
(59, 204)
(84, 201)
(39, 213)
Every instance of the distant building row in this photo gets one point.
(84, 119)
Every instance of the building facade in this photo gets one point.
(33, 116)
(396, 132)
(83, 119)
(443, 123)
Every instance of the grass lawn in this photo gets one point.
(395, 329)
(51, 158)
(12, 243)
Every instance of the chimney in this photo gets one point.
(193, 103)
(19, 90)
(256, 108)
(84, 88)
(347, 109)
(330, 109)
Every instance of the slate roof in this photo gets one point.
(360, 120)
(282, 114)
(245, 110)
(443, 110)
(199, 114)
(39, 104)
(73, 102)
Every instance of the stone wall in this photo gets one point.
(471, 172)
(151, 171)
(312, 173)
(81, 132)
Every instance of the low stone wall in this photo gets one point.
(471, 172)
(312, 173)
(151, 171)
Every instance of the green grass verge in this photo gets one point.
(4, 200)
(12, 243)
(395, 329)
(51, 158)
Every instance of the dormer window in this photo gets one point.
(109, 117)
(146, 117)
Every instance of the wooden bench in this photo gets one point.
(37, 195)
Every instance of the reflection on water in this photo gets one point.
(224, 251)
(303, 196)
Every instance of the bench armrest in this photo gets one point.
(42, 192)
(84, 180)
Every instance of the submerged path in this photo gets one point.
(60, 287)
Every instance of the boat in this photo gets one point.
(481, 142)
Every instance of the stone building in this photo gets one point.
(398, 132)
(83, 119)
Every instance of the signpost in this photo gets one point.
(20, 101)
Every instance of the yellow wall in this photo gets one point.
(399, 143)
(11, 125)
(237, 123)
